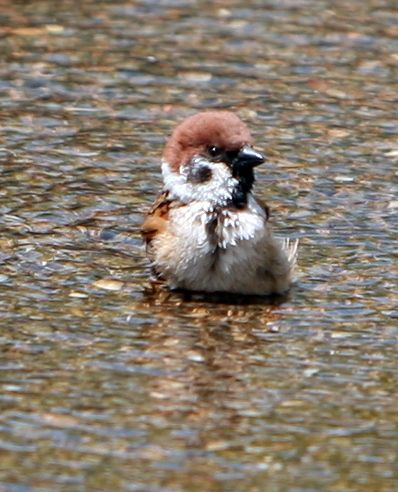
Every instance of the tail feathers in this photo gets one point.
(291, 248)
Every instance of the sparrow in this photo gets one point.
(207, 231)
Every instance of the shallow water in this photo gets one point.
(107, 385)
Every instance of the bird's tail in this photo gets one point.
(291, 249)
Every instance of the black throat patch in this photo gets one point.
(245, 179)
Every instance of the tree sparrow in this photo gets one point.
(206, 230)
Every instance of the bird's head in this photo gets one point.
(209, 157)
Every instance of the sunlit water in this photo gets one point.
(107, 385)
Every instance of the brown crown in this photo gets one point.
(194, 135)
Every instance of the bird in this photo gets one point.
(207, 231)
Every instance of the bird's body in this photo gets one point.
(207, 231)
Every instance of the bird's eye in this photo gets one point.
(214, 151)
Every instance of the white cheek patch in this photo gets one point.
(218, 188)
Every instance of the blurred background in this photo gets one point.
(108, 385)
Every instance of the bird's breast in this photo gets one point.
(212, 228)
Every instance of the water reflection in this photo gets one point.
(205, 353)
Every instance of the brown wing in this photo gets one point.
(156, 220)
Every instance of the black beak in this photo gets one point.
(247, 158)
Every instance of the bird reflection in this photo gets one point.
(203, 350)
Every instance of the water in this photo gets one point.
(107, 385)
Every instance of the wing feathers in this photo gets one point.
(157, 218)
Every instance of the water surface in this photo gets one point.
(106, 385)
